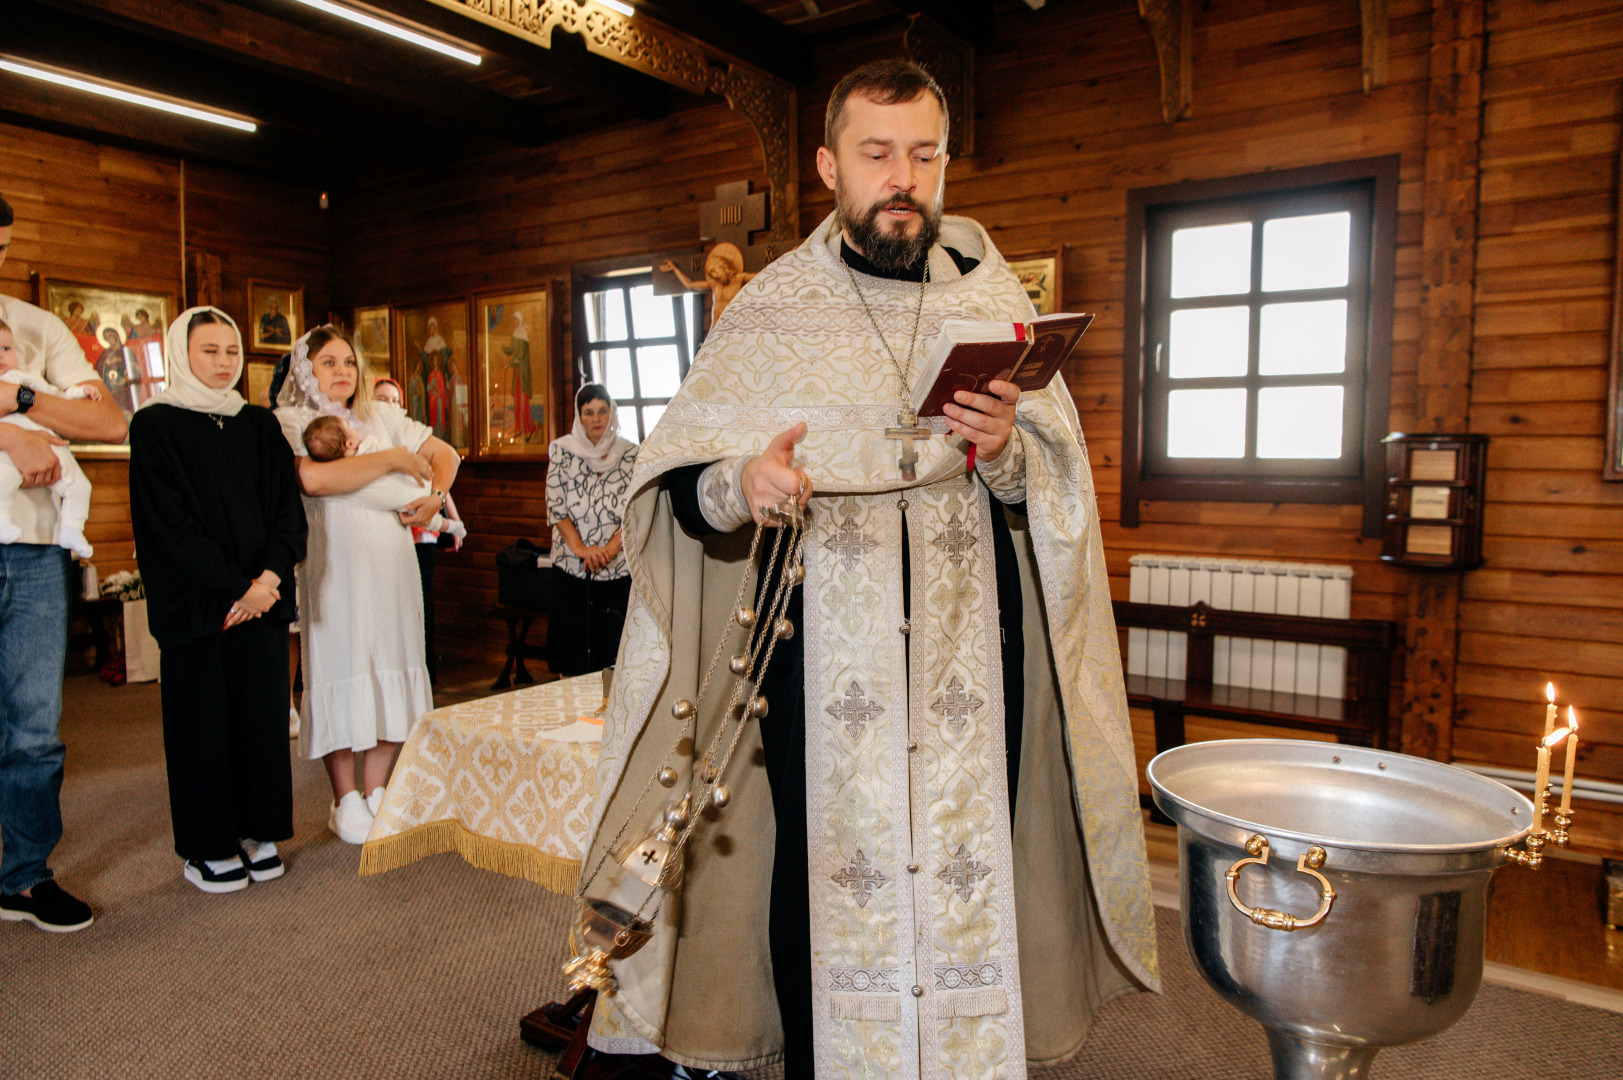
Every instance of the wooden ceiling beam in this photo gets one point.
(737, 31)
(572, 69)
(373, 74)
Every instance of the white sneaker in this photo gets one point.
(374, 801)
(292, 723)
(350, 819)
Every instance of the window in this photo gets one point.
(1259, 328)
(635, 343)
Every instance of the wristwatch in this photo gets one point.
(25, 399)
(441, 495)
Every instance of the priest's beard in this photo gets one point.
(892, 249)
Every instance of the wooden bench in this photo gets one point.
(1358, 714)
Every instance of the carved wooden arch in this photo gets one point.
(769, 104)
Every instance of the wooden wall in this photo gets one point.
(1549, 602)
(94, 213)
(1068, 121)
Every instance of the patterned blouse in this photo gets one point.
(594, 501)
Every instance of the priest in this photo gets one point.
(932, 861)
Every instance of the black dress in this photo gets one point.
(214, 501)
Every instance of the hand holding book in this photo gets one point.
(968, 355)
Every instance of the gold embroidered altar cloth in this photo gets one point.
(506, 781)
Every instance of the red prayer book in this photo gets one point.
(969, 354)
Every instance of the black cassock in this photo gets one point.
(214, 501)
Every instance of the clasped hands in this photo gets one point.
(986, 420)
(261, 596)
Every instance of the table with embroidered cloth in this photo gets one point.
(506, 781)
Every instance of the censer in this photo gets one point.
(607, 930)
(1369, 929)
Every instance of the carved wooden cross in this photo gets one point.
(733, 214)
(907, 430)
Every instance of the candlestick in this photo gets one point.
(1572, 760)
(1549, 709)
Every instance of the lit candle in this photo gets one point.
(1549, 709)
(1543, 779)
(1572, 760)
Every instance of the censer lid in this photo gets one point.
(1350, 798)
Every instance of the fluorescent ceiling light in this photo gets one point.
(619, 5)
(394, 29)
(119, 92)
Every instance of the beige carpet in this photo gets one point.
(424, 972)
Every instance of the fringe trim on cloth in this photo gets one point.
(552, 872)
(847, 1006)
(981, 1001)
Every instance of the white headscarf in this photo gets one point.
(300, 390)
(519, 332)
(185, 389)
(608, 450)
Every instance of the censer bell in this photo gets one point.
(608, 932)
(654, 858)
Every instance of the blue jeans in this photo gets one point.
(33, 653)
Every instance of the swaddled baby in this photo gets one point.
(72, 490)
(327, 438)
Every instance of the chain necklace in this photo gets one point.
(904, 375)
(907, 430)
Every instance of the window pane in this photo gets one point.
(650, 417)
(1209, 341)
(1306, 252)
(657, 371)
(693, 312)
(614, 369)
(606, 316)
(1299, 422)
(1214, 260)
(1206, 423)
(650, 314)
(1303, 339)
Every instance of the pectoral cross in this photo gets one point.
(907, 429)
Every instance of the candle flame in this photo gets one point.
(1572, 719)
(1553, 739)
(1549, 692)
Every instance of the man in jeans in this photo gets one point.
(34, 604)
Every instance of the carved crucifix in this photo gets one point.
(907, 431)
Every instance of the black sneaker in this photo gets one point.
(227, 879)
(261, 859)
(51, 908)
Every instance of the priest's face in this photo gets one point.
(887, 174)
(215, 355)
(337, 372)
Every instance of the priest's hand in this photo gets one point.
(769, 479)
(984, 419)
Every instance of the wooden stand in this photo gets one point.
(519, 621)
(561, 1029)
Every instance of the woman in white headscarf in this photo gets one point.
(218, 530)
(588, 473)
(360, 596)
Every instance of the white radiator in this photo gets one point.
(1274, 588)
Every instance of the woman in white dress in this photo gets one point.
(359, 593)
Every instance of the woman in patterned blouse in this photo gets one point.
(587, 479)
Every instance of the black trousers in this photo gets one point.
(584, 626)
(225, 739)
(425, 568)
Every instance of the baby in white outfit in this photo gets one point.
(327, 438)
(73, 489)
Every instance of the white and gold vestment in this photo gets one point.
(945, 943)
